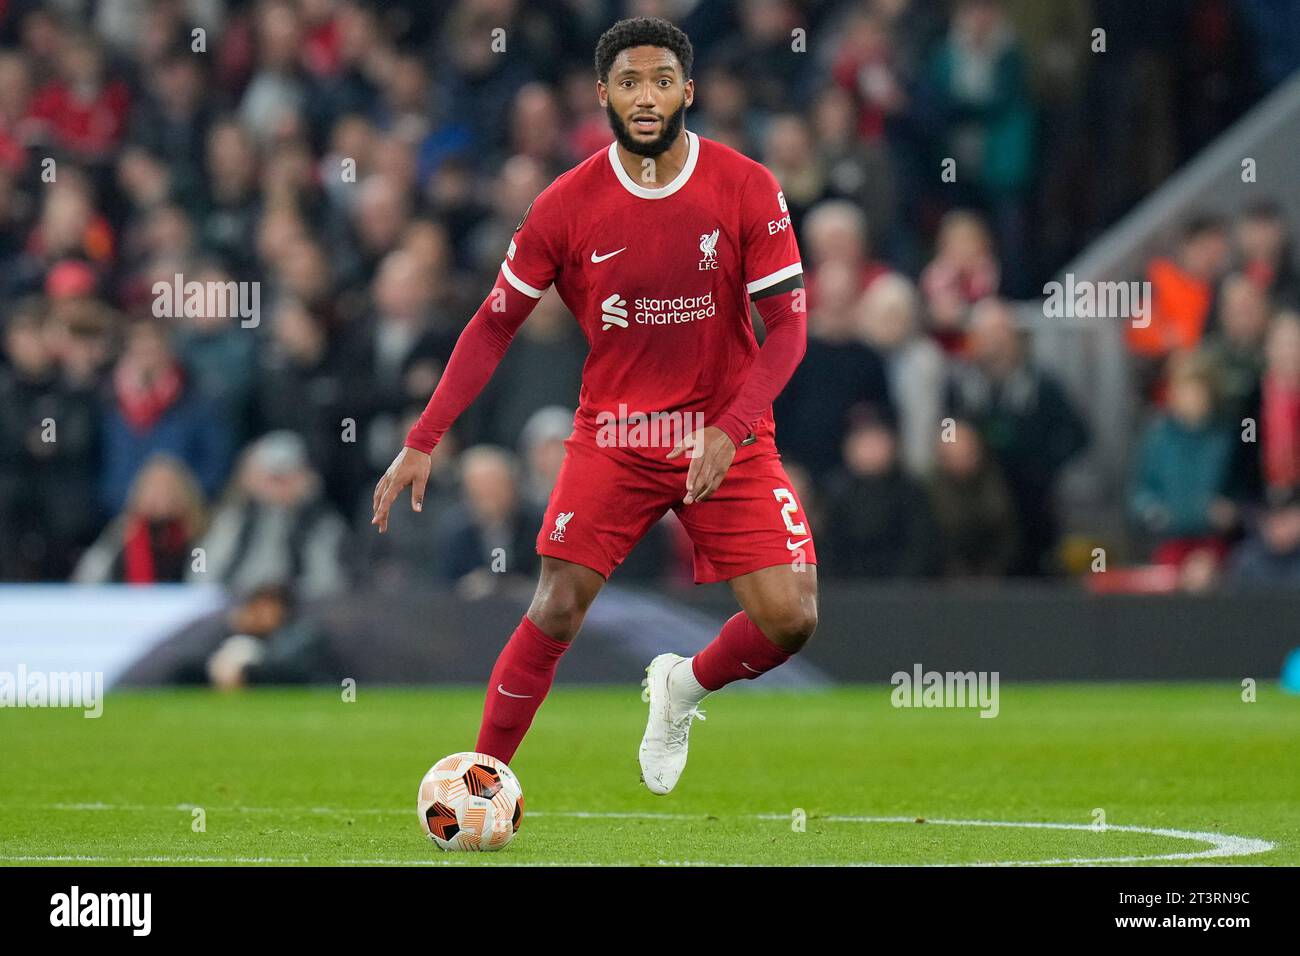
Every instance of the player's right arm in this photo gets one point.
(527, 271)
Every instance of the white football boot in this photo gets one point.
(663, 748)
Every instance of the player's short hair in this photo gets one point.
(642, 31)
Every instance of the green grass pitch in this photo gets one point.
(290, 776)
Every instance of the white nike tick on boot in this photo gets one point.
(674, 695)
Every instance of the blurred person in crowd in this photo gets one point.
(149, 543)
(379, 215)
(1271, 554)
(310, 381)
(542, 367)
(980, 86)
(16, 133)
(1181, 469)
(973, 509)
(520, 181)
(171, 118)
(1235, 347)
(408, 554)
(1266, 467)
(764, 37)
(493, 527)
(726, 113)
(452, 196)
(81, 333)
(157, 407)
(305, 271)
(481, 80)
(835, 231)
(230, 204)
(889, 322)
(963, 271)
(1266, 254)
(1026, 420)
(404, 322)
(863, 67)
(280, 90)
(856, 171)
(352, 141)
(1182, 297)
(541, 448)
(220, 354)
(48, 455)
(838, 373)
(790, 153)
(878, 518)
(263, 639)
(275, 524)
(69, 227)
(537, 128)
(82, 111)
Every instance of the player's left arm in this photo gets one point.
(773, 277)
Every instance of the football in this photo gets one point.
(470, 801)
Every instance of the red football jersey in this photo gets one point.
(659, 279)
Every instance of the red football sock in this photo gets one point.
(520, 681)
(740, 652)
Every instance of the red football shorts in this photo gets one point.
(606, 498)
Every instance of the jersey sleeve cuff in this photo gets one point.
(780, 275)
(519, 283)
(733, 427)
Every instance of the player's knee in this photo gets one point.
(559, 609)
(791, 627)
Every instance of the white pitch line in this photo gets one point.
(1221, 844)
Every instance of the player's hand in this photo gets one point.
(712, 454)
(410, 467)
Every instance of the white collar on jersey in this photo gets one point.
(636, 189)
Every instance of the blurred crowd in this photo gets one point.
(1215, 490)
(364, 164)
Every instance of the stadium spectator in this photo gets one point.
(542, 368)
(1181, 469)
(82, 111)
(157, 407)
(275, 526)
(979, 84)
(1279, 410)
(262, 640)
(1271, 555)
(149, 543)
(838, 373)
(407, 555)
(219, 352)
(1026, 420)
(1235, 348)
(1182, 296)
(493, 528)
(973, 509)
(49, 443)
(888, 321)
(541, 448)
(835, 231)
(879, 522)
(962, 272)
(1264, 247)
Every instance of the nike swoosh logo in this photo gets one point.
(502, 690)
(796, 545)
(748, 668)
(608, 255)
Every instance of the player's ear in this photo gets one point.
(602, 93)
(690, 92)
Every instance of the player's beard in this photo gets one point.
(672, 129)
